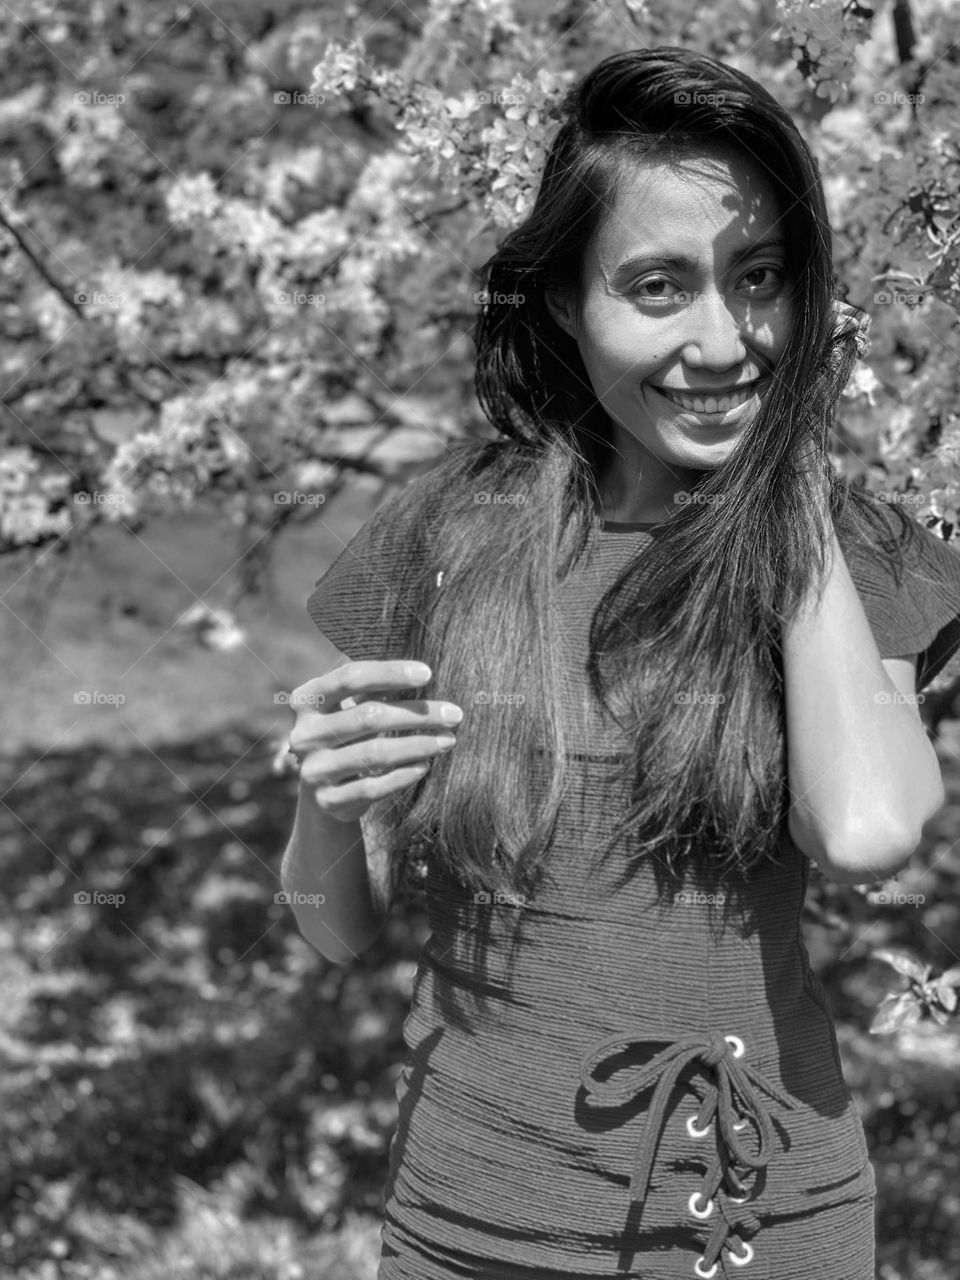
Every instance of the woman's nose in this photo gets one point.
(713, 333)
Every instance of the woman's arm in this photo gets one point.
(862, 771)
(327, 857)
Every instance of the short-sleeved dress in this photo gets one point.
(600, 1082)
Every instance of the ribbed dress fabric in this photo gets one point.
(605, 1081)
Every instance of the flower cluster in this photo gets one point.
(27, 494)
(824, 35)
(306, 266)
(181, 457)
(340, 69)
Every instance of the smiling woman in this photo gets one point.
(665, 618)
(680, 370)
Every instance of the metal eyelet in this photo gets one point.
(736, 1044)
(692, 1129)
(738, 1199)
(738, 1127)
(741, 1259)
(699, 1213)
(705, 1275)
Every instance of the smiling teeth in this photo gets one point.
(710, 404)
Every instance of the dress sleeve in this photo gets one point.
(920, 613)
(353, 602)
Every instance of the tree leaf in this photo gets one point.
(904, 963)
(946, 994)
(895, 1012)
(939, 1015)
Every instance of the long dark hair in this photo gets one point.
(704, 604)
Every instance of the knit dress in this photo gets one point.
(604, 1081)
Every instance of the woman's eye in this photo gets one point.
(758, 271)
(661, 287)
(656, 282)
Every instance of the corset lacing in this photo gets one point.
(729, 1080)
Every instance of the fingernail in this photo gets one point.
(451, 715)
(418, 671)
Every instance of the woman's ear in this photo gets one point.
(560, 306)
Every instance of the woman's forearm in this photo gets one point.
(863, 774)
(326, 859)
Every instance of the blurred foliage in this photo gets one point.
(183, 1051)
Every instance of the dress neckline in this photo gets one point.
(627, 526)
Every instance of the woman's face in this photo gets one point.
(685, 313)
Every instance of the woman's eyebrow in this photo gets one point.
(681, 262)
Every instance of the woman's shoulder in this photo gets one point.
(456, 475)
(908, 579)
(885, 538)
(352, 602)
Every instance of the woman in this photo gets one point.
(685, 652)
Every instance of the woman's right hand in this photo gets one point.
(337, 737)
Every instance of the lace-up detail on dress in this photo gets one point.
(731, 1085)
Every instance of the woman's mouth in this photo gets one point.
(715, 408)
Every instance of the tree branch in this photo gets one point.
(13, 222)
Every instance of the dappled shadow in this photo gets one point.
(191, 1031)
